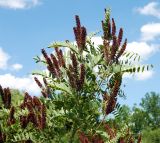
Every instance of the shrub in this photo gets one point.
(80, 91)
(151, 136)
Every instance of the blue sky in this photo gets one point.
(27, 26)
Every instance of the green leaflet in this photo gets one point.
(69, 45)
(61, 87)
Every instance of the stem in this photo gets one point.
(72, 134)
(100, 123)
(73, 131)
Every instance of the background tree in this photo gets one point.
(147, 115)
(150, 104)
(143, 119)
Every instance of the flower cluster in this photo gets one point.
(80, 34)
(86, 139)
(60, 57)
(54, 64)
(111, 132)
(44, 90)
(76, 79)
(6, 97)
(37, 112)
(112, 99)
(113, 49)
(96, 138)
(11, 119)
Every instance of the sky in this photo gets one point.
(27, 26)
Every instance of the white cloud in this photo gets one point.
(18, 4)
(4, 57)
(143, 49)
(150, 31)
(17, 67)
(97, 41)
(150, 9)
(144, 75)
(26, 84)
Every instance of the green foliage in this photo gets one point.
(151, 136)
(148, 114)
(151, 105)
(17, 96)
(143, 119)
(80, 91)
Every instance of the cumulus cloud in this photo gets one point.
(150, 9)
(144, 75)
(17, 67)
(143, 49)
(150, 31)
(4, 57)
(18, 4)
(139, 76)
(26, 84)
(97, 41)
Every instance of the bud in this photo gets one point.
(23, 121)
(113, 27)
(29, 107)
(7, 98)
(114, 48)
(83, 37)
(122, 49)
(45, 95)
(45, 82)
(2, 93)
(108, 30)
(38, 82)
(11, 119)
(74, 62)
(105, 96)
(32, 118)
(43, 116)
(80, 34)
(62, 59)
(56, 65)
(48, 60)
(120, 35)
(111, 105)
(106, 51)
(52, 70)
(72, 79)
(27, 97)
(36, 102)
(115, 88)
(78, 23)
